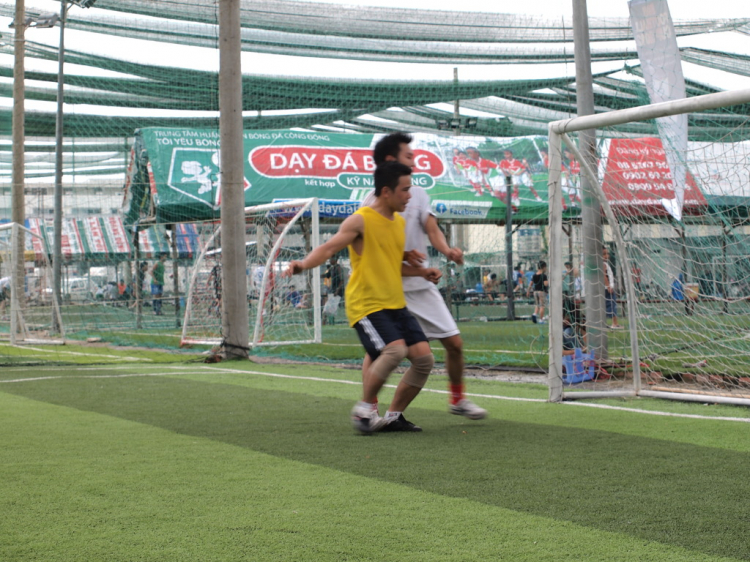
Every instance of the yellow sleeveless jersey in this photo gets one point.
(375, 283)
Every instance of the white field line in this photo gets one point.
(177, 371)
(56, 351)
(439, 347)
(145, 332)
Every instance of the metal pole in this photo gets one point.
(58, 197)
(554, 375)
(511, 312)
(235, 320)
(176, 277)
(590, 209)
(138, 279)
(18, 212)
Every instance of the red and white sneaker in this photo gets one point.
(468, 409)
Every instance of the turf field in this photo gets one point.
(241, 461)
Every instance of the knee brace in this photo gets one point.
(388, 360)
(417, 374)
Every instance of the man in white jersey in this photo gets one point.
(423, 299)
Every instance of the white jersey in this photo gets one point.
(4, 283)
(417, 211)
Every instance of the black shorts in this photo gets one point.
(380, 328)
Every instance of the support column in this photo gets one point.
(591, 228)
(235, 321)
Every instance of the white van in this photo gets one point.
(78, 289)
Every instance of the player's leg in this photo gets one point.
(381, 337)
(420, 356)
(428, 307)
(415, 377)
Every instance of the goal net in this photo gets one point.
(281, 311)
(29, 311)
(656, 296)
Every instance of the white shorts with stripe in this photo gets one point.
(429, 308)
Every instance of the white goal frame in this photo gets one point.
(19, 332)
(558, 133)
(302, 206)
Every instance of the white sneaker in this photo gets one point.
(365, 419)
(468, 409)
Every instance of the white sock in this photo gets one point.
(391, 415)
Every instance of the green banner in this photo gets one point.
(174, 173)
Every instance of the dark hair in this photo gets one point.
(389, 145)
(542, 264)
(568, 263)
(388, 174)
(493, 275)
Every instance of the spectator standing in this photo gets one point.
(539, 286)
(157, 283)
(336, 274)
(568, 285)
(518, 279)
(610, 291)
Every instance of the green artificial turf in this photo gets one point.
(227, 462)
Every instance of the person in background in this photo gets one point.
(527, 275)
(518, 279)
(295, 298)
(539, 286)
(678, 293)
(568, 285)
(492, 286)
(4, 295)
(610, 291)
(335, 273)
(157, 283)
(574, 334)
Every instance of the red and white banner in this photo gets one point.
(118, 235)
(637, 177)
(95, 234)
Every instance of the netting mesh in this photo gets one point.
(327, 77)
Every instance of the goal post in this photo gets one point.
(279, 312)
(664, 351)
(30, 315)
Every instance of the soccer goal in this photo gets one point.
(281, 311)
(29, 310)
(650, 297)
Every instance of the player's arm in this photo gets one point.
(432, 274)
(414, 257)
(351, 229)
(438, 241)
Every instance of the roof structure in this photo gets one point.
(338, 68)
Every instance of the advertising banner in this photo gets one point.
(175, 173)
(637, 177)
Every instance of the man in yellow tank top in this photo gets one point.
(375, 303)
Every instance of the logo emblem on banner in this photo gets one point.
(195, 172)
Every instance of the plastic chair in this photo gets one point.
(578, 367)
